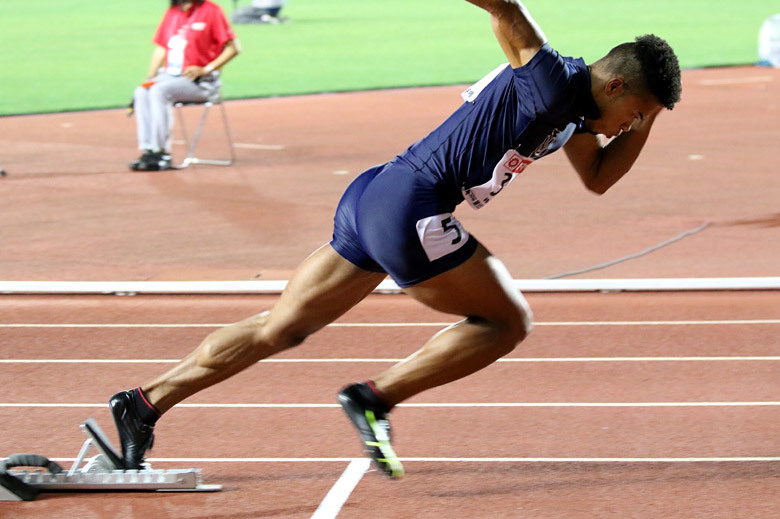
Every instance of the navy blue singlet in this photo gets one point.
(397, 217)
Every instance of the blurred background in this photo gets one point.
(81, 54)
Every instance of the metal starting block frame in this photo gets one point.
(105, 472)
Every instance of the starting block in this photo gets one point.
(103, 472)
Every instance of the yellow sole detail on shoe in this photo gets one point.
(391, 458)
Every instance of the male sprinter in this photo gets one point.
(397, 219)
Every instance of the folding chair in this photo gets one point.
(214, 101)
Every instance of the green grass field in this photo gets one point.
(82, 54)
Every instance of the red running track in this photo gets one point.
(610, 352)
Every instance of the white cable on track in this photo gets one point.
(632, 256)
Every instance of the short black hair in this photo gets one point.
(650, 60)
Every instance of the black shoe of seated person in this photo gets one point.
(145, 157)
(152, 161)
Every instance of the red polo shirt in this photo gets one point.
(201, 32)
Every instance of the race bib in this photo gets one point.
(510, 165)
(176, 46)
(441, 235)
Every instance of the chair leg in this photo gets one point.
(228, 134)
(191, 145)
(190, 148)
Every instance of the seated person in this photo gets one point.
(269, 7)
(194, 40)
(260, 11)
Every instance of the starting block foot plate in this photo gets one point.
(105, 473)
(93, 430)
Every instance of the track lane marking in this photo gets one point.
(259, 146)
(347, 360)
(338, 494)
(417, 405)
(717, 459)
(246, 145)
(395, 325)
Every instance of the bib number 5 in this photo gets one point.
(440, 235)
(447, 226)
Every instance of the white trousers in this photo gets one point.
(154, 106)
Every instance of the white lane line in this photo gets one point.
(735, 358)
(259, 146)
(661, 323)
(736, 81)
(598, 460)
(391, 360)
(642, 359)
(393, 325)
(340, 492)
(718, 459)
(247, 145)
(275, 287)
(418, 405)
